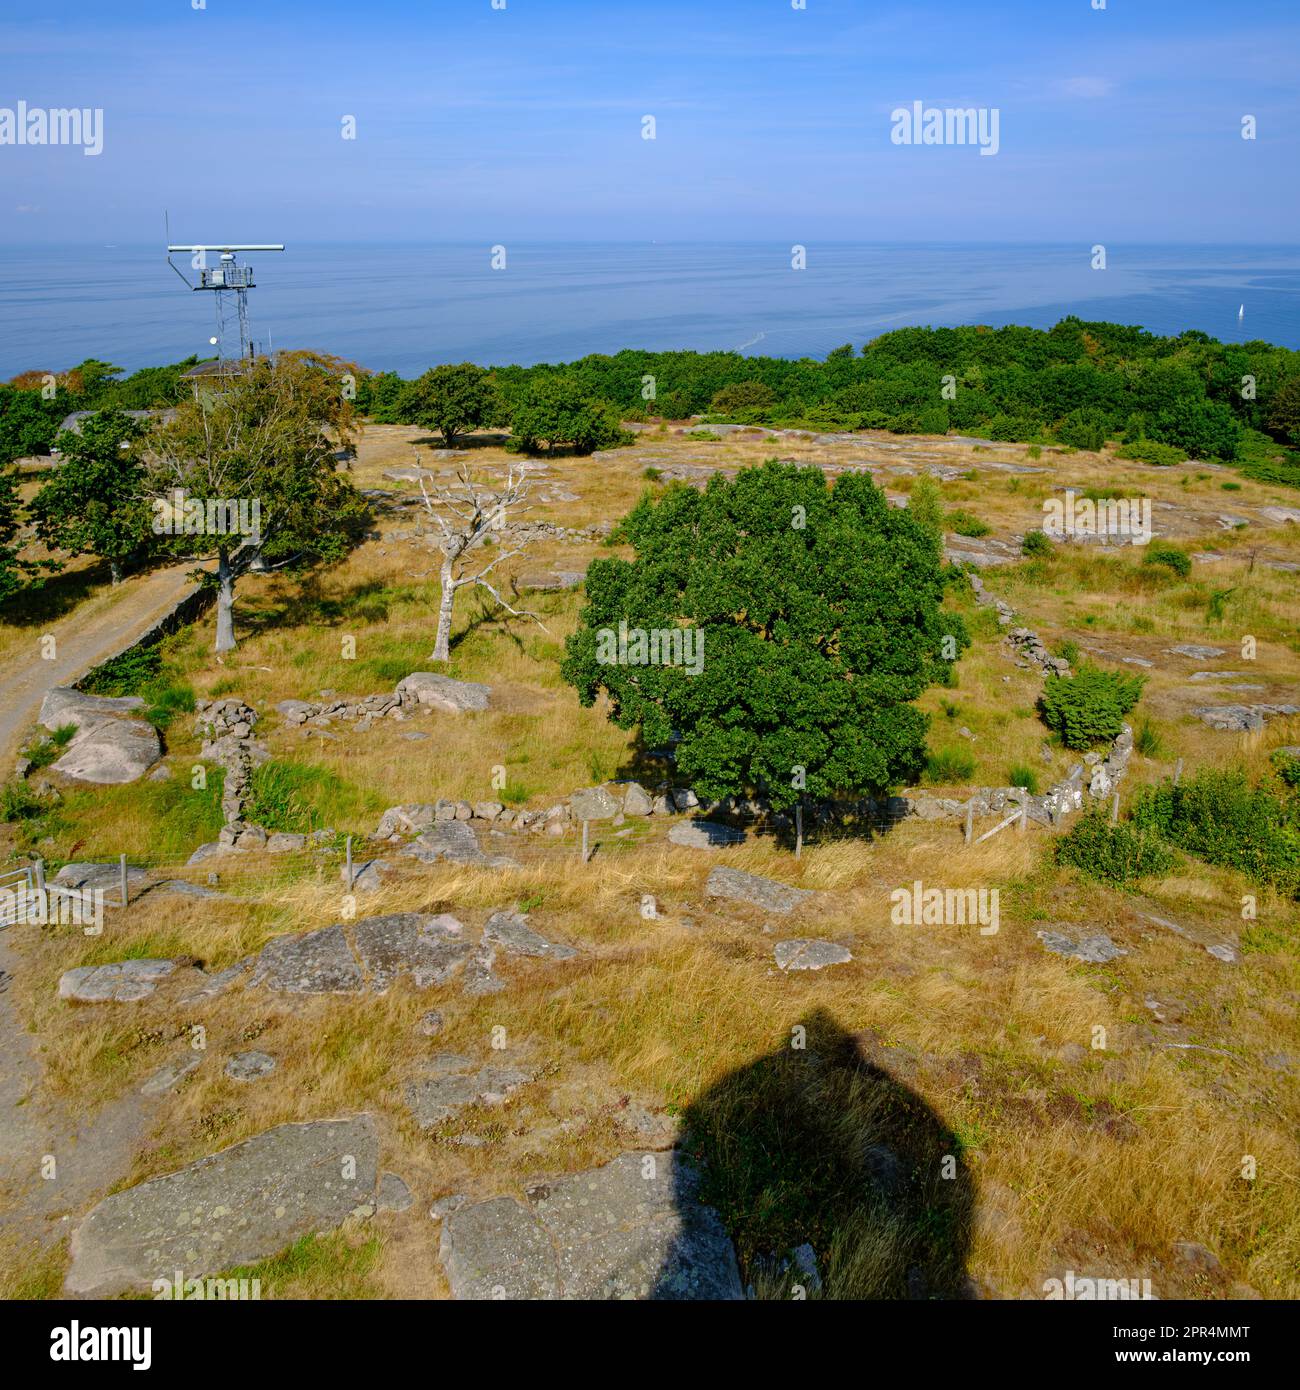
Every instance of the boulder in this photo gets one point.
(393, 1194)
(367, 877)
(234, 1207)
(704, 834)
(105, 876)
(404, 820)
(122, 982)
(106, 751)
(63, 705)
(454, 841)
(617, 1232)
(766, 893)
(1240, 718)
(444, 693)
(636, 800)
(297, 711)
(805, 954)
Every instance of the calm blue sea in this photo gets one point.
(407, 307)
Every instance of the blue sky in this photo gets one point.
(772, 122)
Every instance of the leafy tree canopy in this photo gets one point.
(819, 612)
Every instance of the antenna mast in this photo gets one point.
(229, 283)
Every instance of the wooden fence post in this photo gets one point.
(349, 863)
(798, 830)
(1178, 771)
(38, 871)
(121, 868)
(585, 851)
(970, 819)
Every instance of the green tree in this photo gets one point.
(743, 396)
(261, 450)
(926, 506)
(449, 399)
(554, 410)
(94, 502)
(1284, 413)
(13, 572)
(818, 610)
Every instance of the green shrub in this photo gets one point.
(1287, 766)
(653, 473)
(964, 524)
(1221, 818)
(1089, 706)
(1115, 854)
(1036, 544)
(42, 754)
(1083, 429)
(1169, 557)
(1151, 451)
(18, 802)
(125, 674)
(1068, 651)
(1147, 740)
(1022, 776)
(947, 766)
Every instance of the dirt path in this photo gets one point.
(89, 634)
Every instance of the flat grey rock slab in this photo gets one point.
(444, 693)
(121, 982)
(63, 705)
(762, 892)
(231, 1208)
(1197, 653)
(803, 953)
(454, 1085)
(453, 840)
(219, 982)
(1241, 718)
(250, 1066)
(167, 1078)
(480, 977)
(212, 850)
(594, 803)
(705, 834)
(1096, 948)
(1224, 951)
(510, 931)
(633, 1229)
(367, 877)
(318, 962)
(393, 1194)
(428, 947)
(285, 842)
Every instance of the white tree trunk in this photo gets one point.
(442, 644)
(225, 604)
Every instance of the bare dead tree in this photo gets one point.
(477, 515)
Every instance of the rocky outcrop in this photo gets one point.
(234, 1207)
(633, 1229)
(109, 748)
(765, 893)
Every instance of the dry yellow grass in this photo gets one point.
(1076, 1155)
